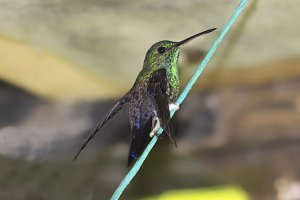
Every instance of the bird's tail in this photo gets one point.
(140, 139)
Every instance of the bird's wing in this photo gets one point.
(109, 115)
(157, 90)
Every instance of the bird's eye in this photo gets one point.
(161, 50)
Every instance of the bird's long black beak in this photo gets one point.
(194, 36)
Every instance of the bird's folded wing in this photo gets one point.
(157, 90)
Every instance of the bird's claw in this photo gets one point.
(159, 136)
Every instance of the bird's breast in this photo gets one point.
(173, 86)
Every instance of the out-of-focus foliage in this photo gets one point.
(213, 193)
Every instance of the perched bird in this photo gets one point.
(152, 97)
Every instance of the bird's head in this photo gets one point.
(165, 54)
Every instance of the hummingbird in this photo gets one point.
(152, 97)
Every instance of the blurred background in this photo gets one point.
(63, 64)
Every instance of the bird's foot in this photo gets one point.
(155, 129)
(152, 134)
(159, 136)
(173, 107)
